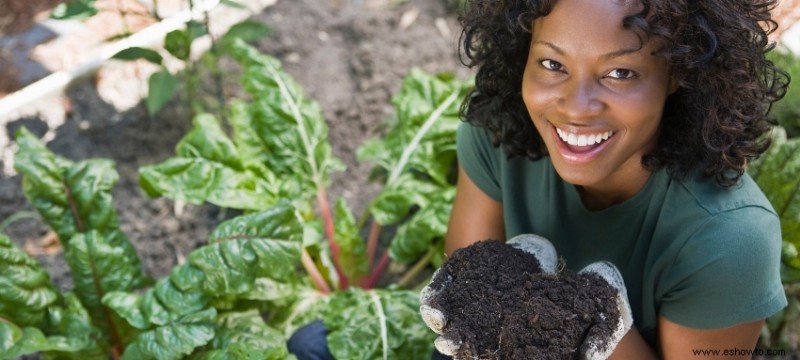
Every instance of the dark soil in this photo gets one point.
(501, 306)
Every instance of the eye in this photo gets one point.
(551, 65)
(621, 74)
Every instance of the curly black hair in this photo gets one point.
(714, 123)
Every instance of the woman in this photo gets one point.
(620, 130)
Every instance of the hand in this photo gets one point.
(535, 245)
(596, 345)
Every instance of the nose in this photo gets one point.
(579, 98)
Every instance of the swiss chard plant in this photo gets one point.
(293, 256)
(777, 172)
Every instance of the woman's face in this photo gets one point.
(595, 93)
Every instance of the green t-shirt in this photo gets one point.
(699, 254)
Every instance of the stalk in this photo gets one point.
(418, 266)
(312, 271)
(374, 233)
(327, 218)
(372, 241)
(376, 273)
(316, 175)
(382, 318)
(394, 174)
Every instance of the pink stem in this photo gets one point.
(327, 217)
(372, 242)
(376, 273)
(312, 270)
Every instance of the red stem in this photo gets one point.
(372, 241)
(327, 218)
(376, 273)
(312, 270)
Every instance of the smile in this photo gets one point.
(583, 139)
(581, 148)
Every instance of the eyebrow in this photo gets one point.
(607, 56)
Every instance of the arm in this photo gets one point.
(679, 342)
(475, 216)
(633, 346)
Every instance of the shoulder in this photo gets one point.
(725, 268)
(714, 199)
(699, 207)
(715, 222)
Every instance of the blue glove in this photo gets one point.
(310, 342)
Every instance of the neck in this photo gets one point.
(597, 198)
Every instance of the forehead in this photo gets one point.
(583, 25)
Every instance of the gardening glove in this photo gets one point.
(596, 346)
(310, 342)
(535, 245)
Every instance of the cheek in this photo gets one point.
(643, 109)
(536, 99)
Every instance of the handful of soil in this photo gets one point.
(501, 306)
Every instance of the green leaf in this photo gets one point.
(25, 288)
(419, 147)
(160, 89)
(278, 222)
(353, 252)
(16, 341)
(135, 53)
(175, 340)
(422, 231)
(179, 44)
(74, 10)
(244, 335)
(244, 249)
(72, 198)
(283, 124)
(231, 267)
(72, 321)
(787, 110)
(247, 31)
(395, 202)
(195, 29)
(73, 336)
(209, 168)
(232, 4)
(376, 324)
(102, 263)
(777, 173)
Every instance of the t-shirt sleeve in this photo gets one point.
(727, 273)
(479, 159)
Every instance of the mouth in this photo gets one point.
(582, 147)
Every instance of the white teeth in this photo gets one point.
(583, 140)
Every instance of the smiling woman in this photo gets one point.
(620, 131)
(593, 79)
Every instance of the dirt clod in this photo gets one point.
(501, 306)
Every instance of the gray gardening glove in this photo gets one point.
(596, 347)
(535, 245)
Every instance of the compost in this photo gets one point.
(501, 306)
